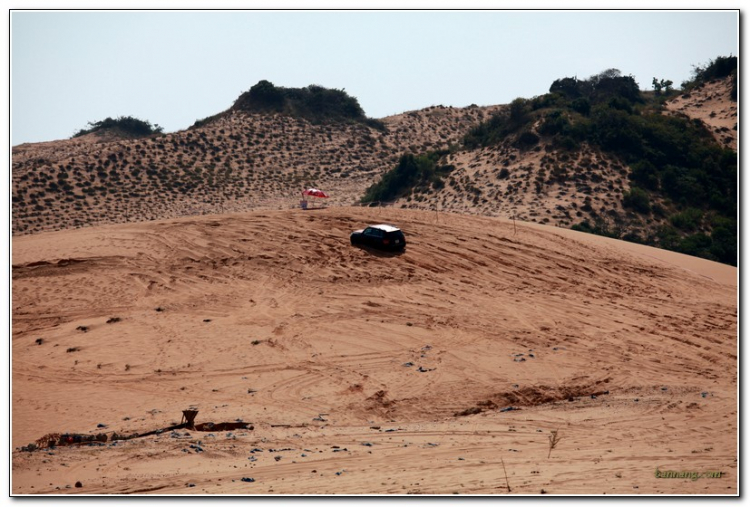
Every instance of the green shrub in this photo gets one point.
(688, 220)
(668, 237)
(554, 122)
(698, 244)
(581, 105)
(313, 103)
(600, 228)
(637, 199)
(568, 86)
(519, 111)
(721, 66)
(526, 139)
(645, 174)
(412, 173)
(724, 242)
(126, 125)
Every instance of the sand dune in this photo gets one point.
(369, 373)
(711, 104)
(237, 163)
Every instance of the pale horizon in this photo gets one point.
(172, 68)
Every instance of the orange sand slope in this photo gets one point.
(371, 373)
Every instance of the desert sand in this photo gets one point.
(711, 104)
(438, 371)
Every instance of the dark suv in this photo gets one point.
(382, 236)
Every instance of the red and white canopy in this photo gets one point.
(314, 192)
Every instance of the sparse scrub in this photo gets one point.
(671, 158)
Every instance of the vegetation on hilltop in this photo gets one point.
(414, 173)
(123, 125)
(718, 68)
(313, 103)
(673, 160)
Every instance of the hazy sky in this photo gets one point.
(172, 68)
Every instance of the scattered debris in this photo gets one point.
(424, 370)
(409, 364)
(73, 349)
(226, 426)
(247, 479)
(112, 320)
(54, 439)
(468, 411)
(82, 328)
(508, 409)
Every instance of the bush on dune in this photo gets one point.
(125, 125)
(313, 103)
(672, 158)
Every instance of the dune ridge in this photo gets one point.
(368, 373)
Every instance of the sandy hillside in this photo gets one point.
(711, 104)
(552, 186)
(537, 185)
(238, 162)
(366, 373)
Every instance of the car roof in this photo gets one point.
(385, 227)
